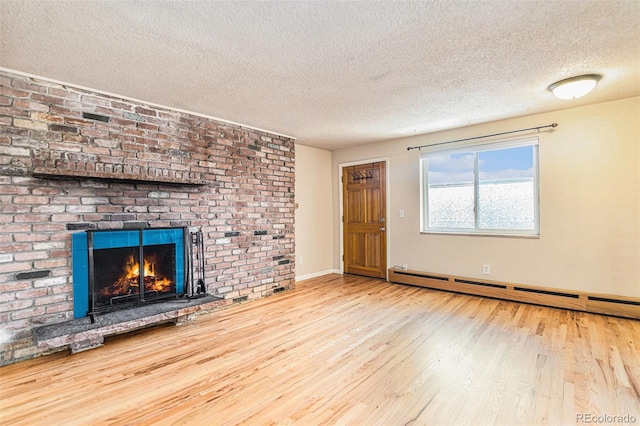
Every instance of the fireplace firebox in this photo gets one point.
(117, 269)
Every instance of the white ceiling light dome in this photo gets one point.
(575, 87)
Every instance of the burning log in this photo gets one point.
(128, 282)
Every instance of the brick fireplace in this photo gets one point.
(73, 161)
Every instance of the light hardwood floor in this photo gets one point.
(343, 350)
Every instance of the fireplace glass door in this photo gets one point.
(113, 269)
(118, 273)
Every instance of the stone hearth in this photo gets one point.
(80, 334)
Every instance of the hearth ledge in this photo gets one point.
(80, 334)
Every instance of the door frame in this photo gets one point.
(387, 204)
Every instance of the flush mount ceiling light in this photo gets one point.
(575, 87)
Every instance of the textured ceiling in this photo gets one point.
(332, 74)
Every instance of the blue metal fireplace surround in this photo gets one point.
(91, 241)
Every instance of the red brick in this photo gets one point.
(13, 93)
(94, 100)
(121, 105)
(59, 307)
(145, 111)
(46, 99)
(16, 305)
(31, 255)
(30, 199)
(78, 122)
(51, 263)
(63, 93)
(31, 293)
(49, 118)
(27, 313)
(14, 267)
(49, 300)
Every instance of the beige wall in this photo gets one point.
(589, 205)
(314, 236)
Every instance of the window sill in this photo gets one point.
(482, 234)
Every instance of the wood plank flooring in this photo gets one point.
(346, 351)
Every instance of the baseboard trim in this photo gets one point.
(621, 306)
(318, 274)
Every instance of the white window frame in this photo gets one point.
(475, 149)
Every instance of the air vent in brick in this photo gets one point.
(95, 117)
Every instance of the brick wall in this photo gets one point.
(72, 160)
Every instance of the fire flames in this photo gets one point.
(127, 283)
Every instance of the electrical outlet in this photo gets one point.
(300, 260)
(486, 269)
(405, 266)
(401, 213)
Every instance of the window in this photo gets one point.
(483, 189)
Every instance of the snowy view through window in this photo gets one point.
(505, 197)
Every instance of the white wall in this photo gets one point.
(314, 234)
(589, 205)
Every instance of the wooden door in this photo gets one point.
(364, 219)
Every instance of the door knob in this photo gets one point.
(382, 229)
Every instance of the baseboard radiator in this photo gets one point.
(621, 306)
